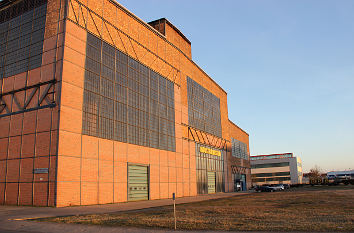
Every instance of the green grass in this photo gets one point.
(300, 209)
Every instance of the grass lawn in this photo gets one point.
(300, 209)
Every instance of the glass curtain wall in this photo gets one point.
(21, 37)
(239, 149)
(125, 100)
(203, 109)
(207, 163)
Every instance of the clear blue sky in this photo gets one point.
(287, 66)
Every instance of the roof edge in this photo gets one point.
(272, 154)
(163, 36)
(174, 27)
(238, 127)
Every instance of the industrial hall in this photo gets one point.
(98, 106)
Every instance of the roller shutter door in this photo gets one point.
(138, 183)
(211, 182)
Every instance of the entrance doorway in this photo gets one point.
(211, 182)
(239, 182)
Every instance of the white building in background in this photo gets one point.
(345, 177)
(276, 169)
(341, 174)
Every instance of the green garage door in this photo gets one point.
(138, 183)
(211, 182)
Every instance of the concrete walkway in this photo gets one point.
(13, 218)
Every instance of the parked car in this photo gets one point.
(264, 188)
(269, 188)
(278, 187)
(286, 186)
(256, 188)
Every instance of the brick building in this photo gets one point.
(97, 106)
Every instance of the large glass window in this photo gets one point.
(271, 174)
(21, 39)
(271, 179)
(266, 165)
(125, 100)
(203, 109)
(239, 149)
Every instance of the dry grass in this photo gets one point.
(301, 209)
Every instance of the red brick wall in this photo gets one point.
(169, 171)
(87, 170)
(92, 170)
(240, 135)
(29, 140)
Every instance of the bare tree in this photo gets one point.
(315, 176)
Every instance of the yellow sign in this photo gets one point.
(209, 151)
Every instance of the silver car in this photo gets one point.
(278, 187)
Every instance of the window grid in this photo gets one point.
(203, 108)
(125, 100)
(21, 41)
(239, 149)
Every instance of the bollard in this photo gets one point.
(174, 209)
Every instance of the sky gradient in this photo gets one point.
(287, 66)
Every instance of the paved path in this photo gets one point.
(13, 218)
